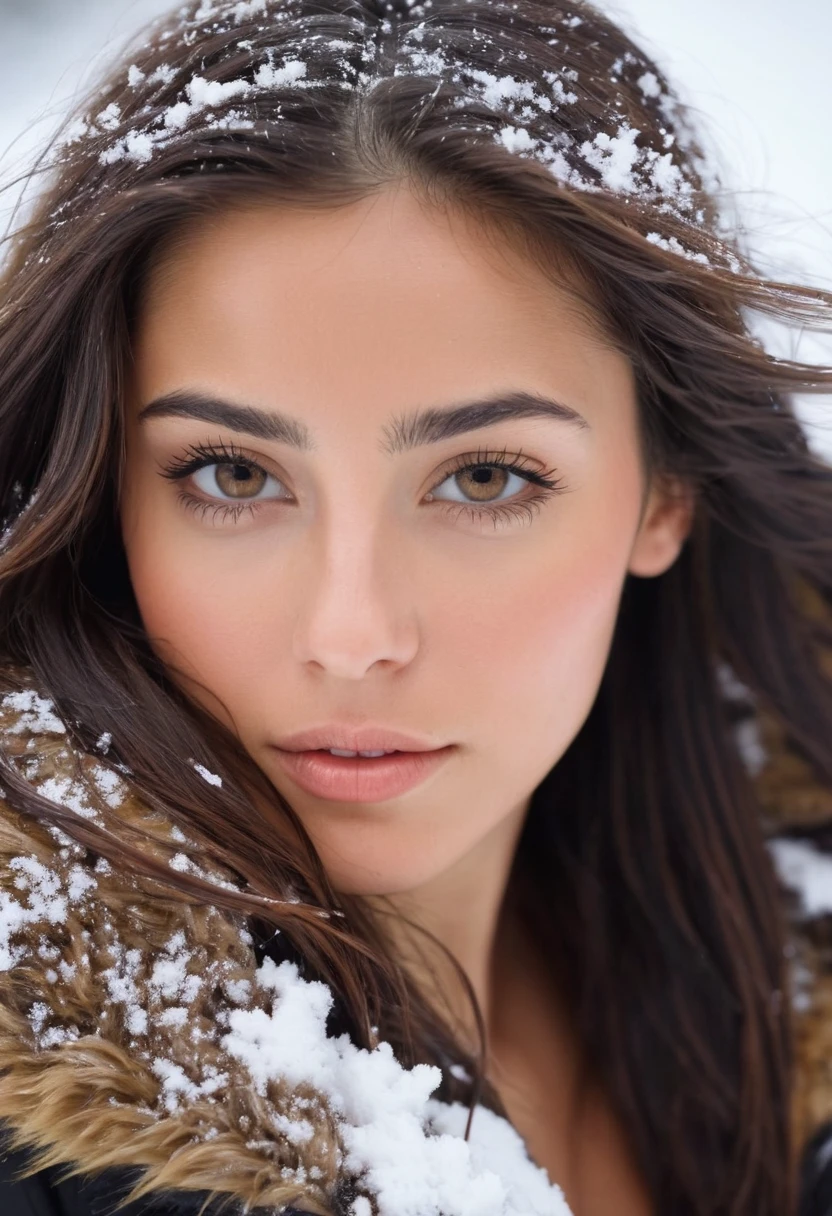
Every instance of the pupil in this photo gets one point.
(241, 472)
(482, 475)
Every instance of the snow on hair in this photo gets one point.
(541, 116)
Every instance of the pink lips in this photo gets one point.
(356, 779)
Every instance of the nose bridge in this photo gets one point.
(354, 611)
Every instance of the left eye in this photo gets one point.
(236, 480)
(481, 483)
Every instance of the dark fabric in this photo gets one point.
(816, 1175)
(46, 1194)
(34, 1197)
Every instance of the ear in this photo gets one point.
(665, 525)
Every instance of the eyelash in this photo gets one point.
(202, 455)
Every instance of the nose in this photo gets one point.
(354, 610)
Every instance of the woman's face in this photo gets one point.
(382, 475)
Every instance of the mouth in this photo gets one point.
(371, 775)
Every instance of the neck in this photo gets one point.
(461, 908)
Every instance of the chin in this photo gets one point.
(395, 880)
(392, 872)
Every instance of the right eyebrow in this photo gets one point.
(244, 418)
(406, 432)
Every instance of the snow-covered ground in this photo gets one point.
(756, 70)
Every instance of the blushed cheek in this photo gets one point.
(208, 608)
(536, 657)
(547, 643)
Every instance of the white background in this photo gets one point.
(759, 72)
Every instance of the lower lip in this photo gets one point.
(358, 778)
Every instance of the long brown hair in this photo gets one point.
(642, 865)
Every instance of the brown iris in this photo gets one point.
(482, 482)
(240, 480)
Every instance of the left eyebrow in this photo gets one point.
(408, 431)
(434, 425)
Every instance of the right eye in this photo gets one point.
(235, 480)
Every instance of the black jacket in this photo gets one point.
(45, 1193)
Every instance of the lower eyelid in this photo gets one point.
(201, 506)
(505, 511)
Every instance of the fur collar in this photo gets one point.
(138, 1033)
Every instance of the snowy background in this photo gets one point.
(757, 71)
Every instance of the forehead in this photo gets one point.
(387, 291)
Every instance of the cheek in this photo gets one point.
(530, 668)
(207, 602)
(533, 647)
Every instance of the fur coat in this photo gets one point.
(141, 1040)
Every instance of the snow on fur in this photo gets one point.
(410, 1151)
(807, 871)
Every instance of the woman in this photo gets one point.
(413, 607)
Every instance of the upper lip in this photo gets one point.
(362, 739)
